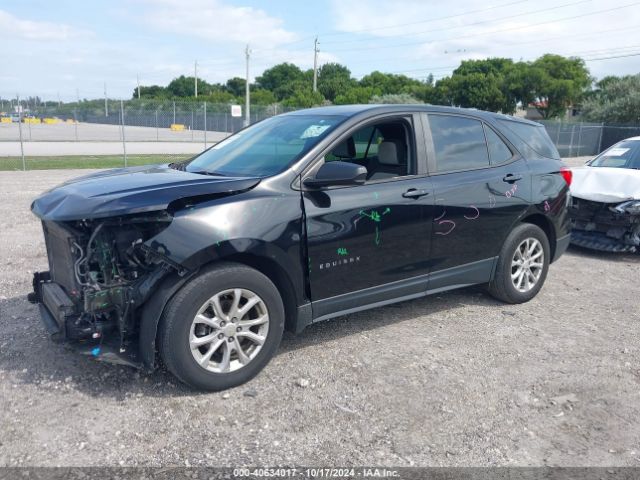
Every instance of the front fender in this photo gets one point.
(262, 225)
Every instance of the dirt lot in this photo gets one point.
(456, 379)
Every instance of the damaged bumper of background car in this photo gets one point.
(612, 227)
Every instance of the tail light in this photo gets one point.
(567, 174)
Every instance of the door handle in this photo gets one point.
(415, 193)
(510, 178)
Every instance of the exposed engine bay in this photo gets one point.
(100, 273)
(611, 227)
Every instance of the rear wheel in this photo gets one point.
(522, 265)
(222, 328)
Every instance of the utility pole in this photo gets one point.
(316, 50)
(195, 81)
(138, 81)
(247, 114)
(106, 105)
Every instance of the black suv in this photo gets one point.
(296, 219)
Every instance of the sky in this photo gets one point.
(64, 48)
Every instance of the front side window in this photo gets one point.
(266, 148)
(384, 149)
(459, 143)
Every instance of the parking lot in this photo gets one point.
(456, 379)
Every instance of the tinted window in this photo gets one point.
(498, 150)
(625, 154)
(266, 148)
(459, 143)
(533, 135)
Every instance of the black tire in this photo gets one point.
(502, 286)
(175, 326)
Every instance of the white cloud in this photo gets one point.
(215, 21)
(11, 25)
(522, 30)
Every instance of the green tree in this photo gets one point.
(150, 91)
(354, 95)
(389, 83)
(558, 83)
(220, 96)
(394, 98)
(483, 84)
(260, 96)
(480, 90)
(304, 98)
(236, 86)
(334, 79)
(185, 86)
(615, 100)
(279, 79)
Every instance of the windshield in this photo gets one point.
(625, 154)
(266, 148)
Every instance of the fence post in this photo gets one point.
(205, 125)
(157, 129)
(579, 141)
(124, 143)
(573, 129)
(600, 139)
(75, 122)
(24, 165)
(174, 111)
(192, 124)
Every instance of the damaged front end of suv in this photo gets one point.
(105, 264)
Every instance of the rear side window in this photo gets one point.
(459, 143)
(534, 136)
(498, 150)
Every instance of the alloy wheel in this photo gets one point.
(229, 330)
(527, 264)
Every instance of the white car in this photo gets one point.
(605, 209)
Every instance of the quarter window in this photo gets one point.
(459, 143)
(498, 150)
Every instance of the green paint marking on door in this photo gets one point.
(377, 218)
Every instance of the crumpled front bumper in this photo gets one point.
(58, 313)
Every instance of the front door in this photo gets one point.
(368, 244)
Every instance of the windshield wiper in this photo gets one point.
(178, 165)
(209, 172)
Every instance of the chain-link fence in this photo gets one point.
(94, 134)
(112, 133)
(577, 139)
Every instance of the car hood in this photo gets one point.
(606, 184)
(125, 191)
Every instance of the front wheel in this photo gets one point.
(522, 265)
(222, 327)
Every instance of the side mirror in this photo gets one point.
(337, 173)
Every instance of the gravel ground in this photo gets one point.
(456, 379)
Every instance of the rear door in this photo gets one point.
(481, 187)
(368, 244)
